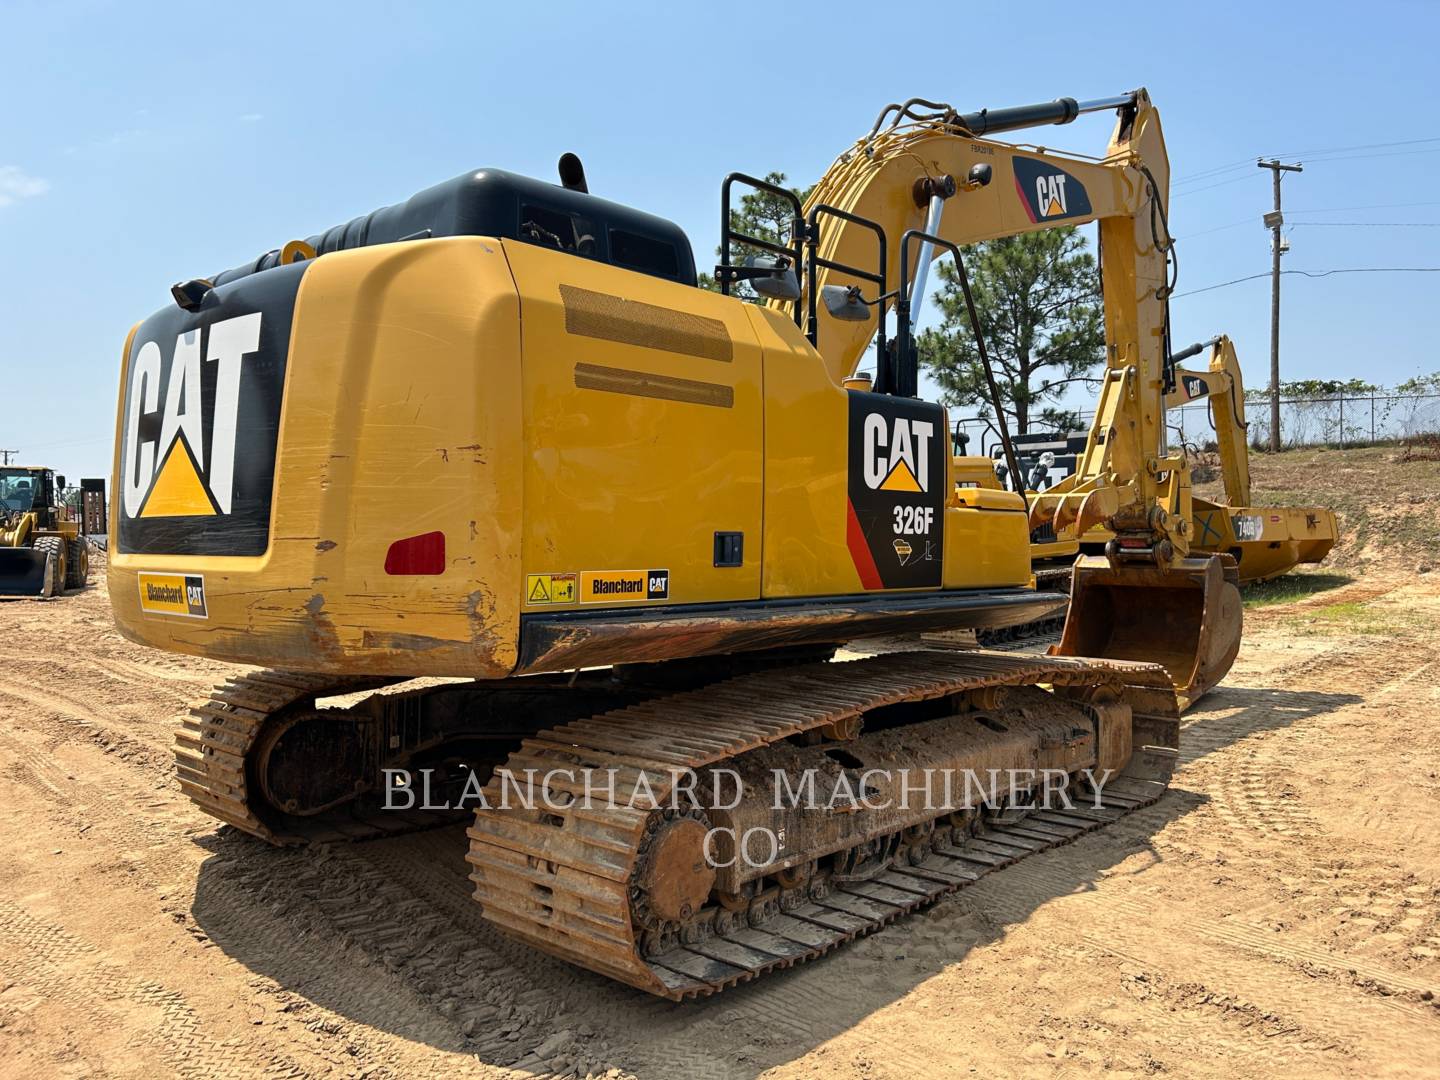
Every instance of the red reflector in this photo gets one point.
(423, 554)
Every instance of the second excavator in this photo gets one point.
(497, 432)
(1263, 541)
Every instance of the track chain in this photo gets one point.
(563, 880)
(215, 740)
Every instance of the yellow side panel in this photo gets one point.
(643, 439)
(806, 454)
(986, 548)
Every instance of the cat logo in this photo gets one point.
(173, 594)
(1194, 386)
(1049, 193)
(169, 476)
(200, 404)
(896, 454)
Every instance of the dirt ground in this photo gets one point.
(1278, 908)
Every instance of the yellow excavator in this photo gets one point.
(497, 432)
(1265, 541)
(43, 550)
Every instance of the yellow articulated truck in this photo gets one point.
(498, 432)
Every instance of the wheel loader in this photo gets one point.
(43, 549)
(498, 433)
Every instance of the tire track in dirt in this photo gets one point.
(487, 996)
(1261, 1039)
(1259, 821)
(71, 719)
(67, 970)
(1383, 987)
(349, 997)
(139, 831)
(1267, 1025)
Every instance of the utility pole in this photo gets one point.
(1273, 221)
(9, 454)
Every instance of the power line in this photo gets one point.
(1209, 174)
(1366, 224)
(72, 442)
(1372, 206)
(1326, 210)
(1220, 170)
(1217, 228)
(1321, 274)
(1222, 183)
(1364, 146)
(1368, 270)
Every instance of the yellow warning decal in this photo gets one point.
(178, 491)
(550, 589)
(618, 586)
(173, 594)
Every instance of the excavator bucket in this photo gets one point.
(1186, 618)
(23, 571)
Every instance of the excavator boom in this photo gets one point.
(1160, 601)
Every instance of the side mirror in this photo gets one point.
(59, 483)
(843, 302)
(779, 284)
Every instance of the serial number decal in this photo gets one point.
(173, 594)
(608, 586)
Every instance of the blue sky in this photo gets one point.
(144, 143)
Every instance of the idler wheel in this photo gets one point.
(674, 877)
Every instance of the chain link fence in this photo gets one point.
(1338, 420)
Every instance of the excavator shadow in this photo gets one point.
(385, 934)
(1231, 713)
